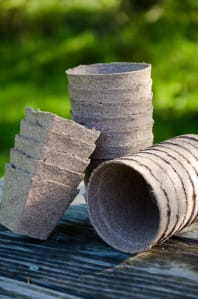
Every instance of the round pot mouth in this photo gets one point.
(123, 207)
(107, 69)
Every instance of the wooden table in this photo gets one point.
(75, 263)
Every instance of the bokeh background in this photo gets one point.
(39, 39)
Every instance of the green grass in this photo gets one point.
(40, 39)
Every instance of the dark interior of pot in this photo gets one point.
(123, 208)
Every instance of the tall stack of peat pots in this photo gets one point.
(116, 99)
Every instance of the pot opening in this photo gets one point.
(107, 68)
(123, 208)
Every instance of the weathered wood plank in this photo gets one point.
(76, 263)
(11, 288)
(190, 233)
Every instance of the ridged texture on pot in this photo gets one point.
(46, 166)
(141, 200)
(114, 98)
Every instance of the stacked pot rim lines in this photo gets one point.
(46, 166)
(116, 99)
(141, 200)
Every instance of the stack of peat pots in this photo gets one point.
(116, 99)
(141, 200)
(46, 166)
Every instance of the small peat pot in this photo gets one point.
(115, 138)
(139, 201)
(128, 122)
(95, 110)
(32, 206)
(134, 93)
(109, 153)
(109, 75)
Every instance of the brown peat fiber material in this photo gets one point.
(111, 122)
(60, 125)
(116, 123)
(32, 149)
(109, 75)
(59, 142)
(124, 137)
(133, 94)
(31, 206)
(45, 171)
(139, 201)
(88, 109)
(46, 166)
(113, 98)
(106, 152)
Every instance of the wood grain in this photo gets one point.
(75, 263)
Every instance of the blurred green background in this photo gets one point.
(39, 39)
